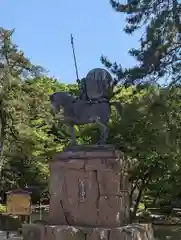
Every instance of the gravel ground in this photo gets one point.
(12, 236)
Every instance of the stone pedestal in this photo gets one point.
(129, 232)
(89, 198)
(89, 188)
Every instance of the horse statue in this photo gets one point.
(92, 106)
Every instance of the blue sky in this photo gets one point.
(43, 29)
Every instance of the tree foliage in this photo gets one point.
(150, 126)
(148, 131)
(159, 54)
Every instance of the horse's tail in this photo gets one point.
(118, 106)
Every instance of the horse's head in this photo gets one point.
(55, 107)
(60, 99)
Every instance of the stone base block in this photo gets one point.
(33, 232)
(89, 187)
(129, 232)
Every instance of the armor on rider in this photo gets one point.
(95, 86)
(83, 91)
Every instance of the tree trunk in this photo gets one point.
(138, 199)
(131, 197)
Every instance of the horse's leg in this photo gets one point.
(104, 115)
(104, 133)
(73, 135)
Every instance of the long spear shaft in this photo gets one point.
(75, 61)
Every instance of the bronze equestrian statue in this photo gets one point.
(92, 106)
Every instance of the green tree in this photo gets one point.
(159, 52)
(15, 107)
(39, 136)
(14, 66)
(148, 132)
